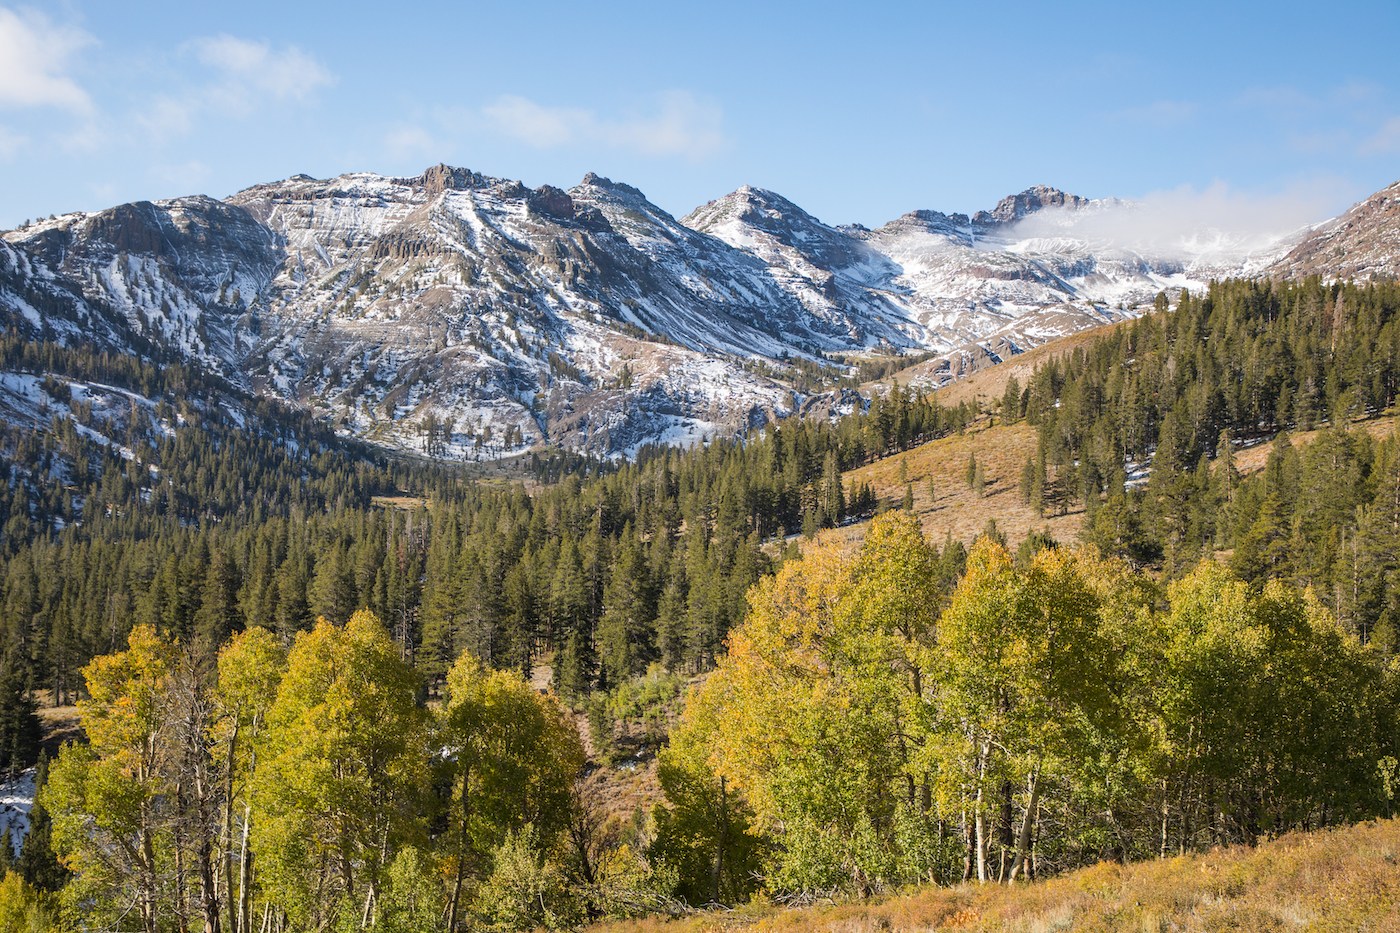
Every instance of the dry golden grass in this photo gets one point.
(954, 508)
(1002, 451)
(989, 384)
(1335, 880)
(59, 724)
(403, 503)
(1253, 459)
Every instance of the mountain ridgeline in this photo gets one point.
(467, 317)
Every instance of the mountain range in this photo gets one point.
(471, 317)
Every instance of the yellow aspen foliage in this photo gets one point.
(106, 797)
(343, 773)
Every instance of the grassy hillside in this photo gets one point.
(989, 384)
(951, 506)
(1253, 459)
(1344, 879)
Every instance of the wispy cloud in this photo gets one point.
(405, 142)
(678, 124)
(11, 142)
(256, 68)
(240, 76)
(182, 176)
(1160, 113)
(35, 54)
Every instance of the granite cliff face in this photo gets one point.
(472, 317)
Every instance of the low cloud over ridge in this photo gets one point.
(1211, 224)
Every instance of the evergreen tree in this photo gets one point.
(37, 863)
(20, 732)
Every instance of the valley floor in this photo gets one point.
(1341, 879)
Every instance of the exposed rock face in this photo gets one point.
(182, 273)
(552, 202)
(1017, 206)
(1362, 245)
(495, 317)
(442, 178)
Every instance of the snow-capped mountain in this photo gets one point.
(474, 317)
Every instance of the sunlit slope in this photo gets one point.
(949, 505)
(1342, 879)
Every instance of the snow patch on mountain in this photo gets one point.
(461, 316)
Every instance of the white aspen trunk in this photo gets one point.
(1023, 838)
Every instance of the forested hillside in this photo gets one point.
(1213, 666)
(1141, 429)
(201, 522)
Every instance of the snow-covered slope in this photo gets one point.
(16, 802)
(841, 285)
(471, 317)
(969, 287)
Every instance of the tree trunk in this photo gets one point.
(1166, 822)
(244, 872)
(1023, 838)
(979, 814)
(148, 873)
(967, 847)
(981, 857)
(461, 856)
(723, 837)
(235, 924)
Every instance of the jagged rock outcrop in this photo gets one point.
(1018, 206)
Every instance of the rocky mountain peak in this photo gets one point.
(592, 180)
(931, 221)
(442, 177)
(1035, 198)
(552, 202)
(757, 208)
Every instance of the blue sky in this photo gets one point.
(856, 112)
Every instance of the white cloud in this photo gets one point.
(246, 65)
(34, 59)
(679, 124)
(1385, 141)
(1216, 223)
(404, 142)
(242, 76)
(1160, 113)
(167, 117)
(182, 176)
(85, 138)
(540, 126)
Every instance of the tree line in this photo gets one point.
(1142, 429)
